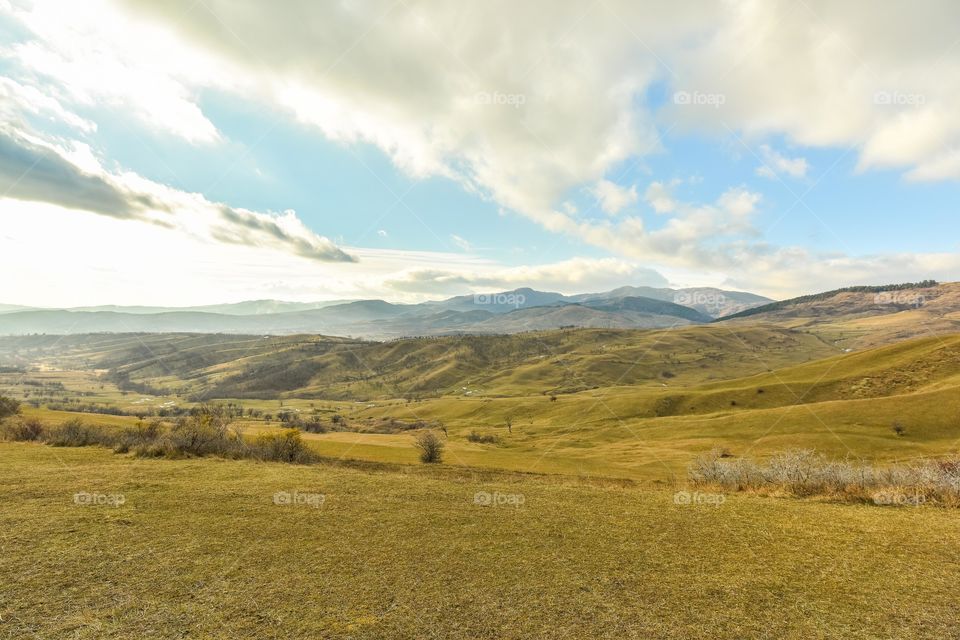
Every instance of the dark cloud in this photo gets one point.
(29, 171)
(245, 226)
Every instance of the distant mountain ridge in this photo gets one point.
(513, 311)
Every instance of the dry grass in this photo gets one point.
(200, 549)
(804, 472)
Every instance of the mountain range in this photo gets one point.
(514, 311)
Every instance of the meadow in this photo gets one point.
(204, 548)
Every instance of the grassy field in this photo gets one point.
(198, 548)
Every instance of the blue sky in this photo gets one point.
(408, 151)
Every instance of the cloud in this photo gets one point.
(17, 99)
(30, 170)
(612, 197)
(776, 164)
(823, 74)
(460, 242)
(466, 92)
(98, 55)
(576, 275)
(660, 196)
(248, 227)
(35, 170)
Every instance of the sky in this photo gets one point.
(186, 152)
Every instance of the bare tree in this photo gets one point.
(430, 446)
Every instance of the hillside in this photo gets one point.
(873, 316)
(523, 364)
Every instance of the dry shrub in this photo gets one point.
(430, 446)
(23, 430)
(473, 436)
(804, 472)
(77, 433)
(284, 446)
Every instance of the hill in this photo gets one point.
(862, 317)
(523, 364)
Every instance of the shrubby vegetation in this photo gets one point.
(8, 407)
(803, 472)
(481, 438)
(23, 430)
(430, 446)
(206, 431)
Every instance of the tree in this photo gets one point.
(430, 446)
(8, 407)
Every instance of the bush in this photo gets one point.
(430, 446)
(8, 407)
(140, 436)
(76, 433)
(206, 432)
(482, 439)
(23, 430)
(285, 446)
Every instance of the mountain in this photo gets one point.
(11, 308)
(247, 308)
(648, 306)
(709, 301)
(502, 302)
(513, 311)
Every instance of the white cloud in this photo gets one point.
(406, 78)
(776, 164)
(576, 275)
(92, 54)
(659, 195)
(460, 242)
(612, 197)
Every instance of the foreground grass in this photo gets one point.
(199, 549)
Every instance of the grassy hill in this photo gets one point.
(532, 363)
